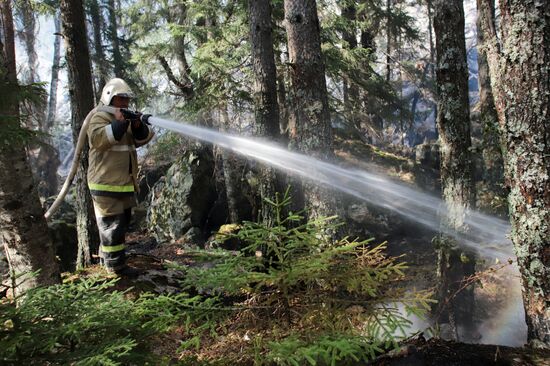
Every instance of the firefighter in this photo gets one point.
(112, 173)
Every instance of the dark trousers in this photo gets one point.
(112, 233)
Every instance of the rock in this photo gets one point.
(149, 176)
(182, 198)
(62, 228)
(66, 211)
(223, 238)
(4, 269)
(65, 240)
(194, 236)
(139, 218)
(427, 154)
(359, 213)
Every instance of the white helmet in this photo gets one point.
(114, 87)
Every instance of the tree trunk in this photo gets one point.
(388, 40)
(520, 82)
(351, 90)
(27, 33)
(118, 62)
(453, 122)
(24, 232)
(99, 55)
(239, 208)
(309, 124)
(179, 48)
(429, 5)
(36, 115)
(52, 102)
(282, 101)
(266, 108)
(82, 101)
(493, 165)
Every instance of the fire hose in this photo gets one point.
(128, 114)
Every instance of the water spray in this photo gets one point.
(487, 234)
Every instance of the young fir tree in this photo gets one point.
(24, 232)
(82, 102)
(518, 64)
(453, 123)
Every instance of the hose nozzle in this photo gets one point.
(133, 115)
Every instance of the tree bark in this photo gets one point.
(429, 5)
(24, 232)
(181, 57)
(309, 124)
(239, 208)
(52, 101)
(493, 169)
(388, 40)
(453, 122)
(266, 108)
(82, 101)
(99, 54)
(27, 33)
(520, 82)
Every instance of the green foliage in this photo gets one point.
(323, 301)
(326, 350)
(83, 323)
(12, 96)
(167, 147)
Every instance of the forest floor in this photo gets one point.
(157, 264)
(157, 274)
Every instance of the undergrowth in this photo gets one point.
(291, 296)
(307, 299)
(85, 323)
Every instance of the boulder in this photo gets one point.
(427, 154)
(149, 176)
(224, 238)
(194, 236)
(62, 228)
(182, 198)
(65, 240)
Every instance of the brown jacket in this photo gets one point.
(113, 167)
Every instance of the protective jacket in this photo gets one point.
(113, 167)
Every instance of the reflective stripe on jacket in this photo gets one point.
(113, 168)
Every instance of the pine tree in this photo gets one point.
(493, 169)
(518, 64)
(118, 62)
(24, 232)
(309, 125)
(453, 123)
(266, 107)
(97, 22)
(54, 81)
(82, 101)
